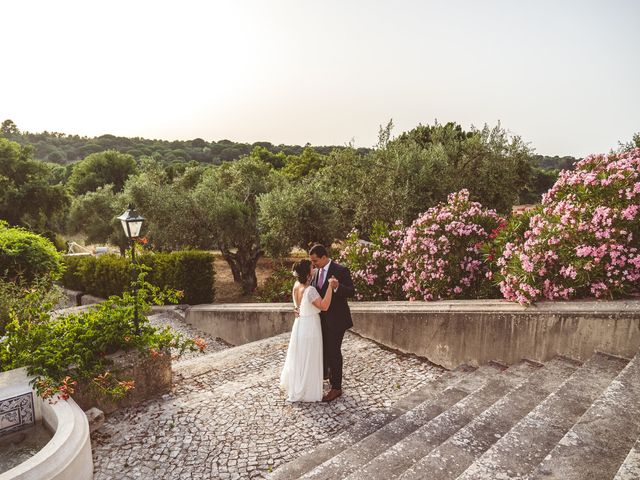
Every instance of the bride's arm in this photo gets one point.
(323, 304)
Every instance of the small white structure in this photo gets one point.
(67, 456)
(75, 248)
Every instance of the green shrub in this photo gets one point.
(101, 276)
(26, 256)
(190, 272)
(38, 296)
(277, 287)
(71, 277)
(109, 274)
(58, 240)
(60, 351)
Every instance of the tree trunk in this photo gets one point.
(249, 278)
(243, 266)
(233, 264)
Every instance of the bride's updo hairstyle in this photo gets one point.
(301, 270)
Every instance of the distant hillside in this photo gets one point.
(554, 163)
(63, 149)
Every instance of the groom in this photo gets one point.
(337, 319)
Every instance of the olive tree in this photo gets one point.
(297, 215)
(94, 214)
(227, 201)
(172, 219)
(28, 195)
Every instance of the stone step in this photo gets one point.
(324, 452)
(599, 442)
(399, 457)
(521, 450)
(630, 468)
(455, 455)
(360, 453)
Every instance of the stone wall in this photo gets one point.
(242, 323)
(476, 332)
(152, 376)
(451, 333)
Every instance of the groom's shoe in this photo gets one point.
(332, 395)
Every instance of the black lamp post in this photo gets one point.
(132, 224)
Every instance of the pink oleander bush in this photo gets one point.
(440, 255)
(371, 262)
(584, 240)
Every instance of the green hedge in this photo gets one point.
(101, 276)
(26, 256)
(189, 271)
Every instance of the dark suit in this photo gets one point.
(335, 321)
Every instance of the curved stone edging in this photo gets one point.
(67, 456)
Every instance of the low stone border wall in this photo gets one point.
(451, 333)
(76, 298)
(152, 377)
(241, 323)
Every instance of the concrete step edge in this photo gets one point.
(384, 438)
(600, 429)
(402, 455)
(499, 459)
(458, 449)
(630, 468)
(326, 451)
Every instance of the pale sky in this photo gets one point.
(564, 75)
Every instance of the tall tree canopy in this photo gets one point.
(27, 196)
(405, 176)
(94, 214)
(104, 168)
(166, 201)
(227, 199)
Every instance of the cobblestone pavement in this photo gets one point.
(227, 418)
(174, 317)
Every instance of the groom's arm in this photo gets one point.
(345, 287)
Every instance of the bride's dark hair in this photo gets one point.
(301, 270)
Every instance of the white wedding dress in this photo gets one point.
(301, 376)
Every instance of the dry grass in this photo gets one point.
(226, 290)
(229, 292)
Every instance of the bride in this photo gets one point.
(301, 376)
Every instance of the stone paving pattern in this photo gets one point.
(227, 418)
(173, 317)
